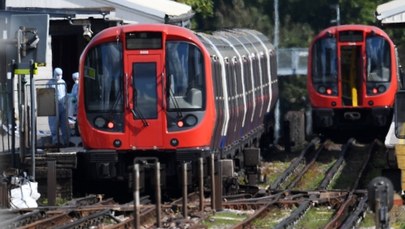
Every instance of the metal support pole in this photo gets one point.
(158, 195)
(21, 116)
(51, 183)
(136, 197)
(4, 200)
(201, 182)
(12, 110)
(33, 119)
(184, 175)
(212, 181)
(218, 187)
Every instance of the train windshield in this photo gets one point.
(103, 78)
(324, 61)
(185, 76)
(378, 59)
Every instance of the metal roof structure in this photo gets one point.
(391, 13)
(129, 11)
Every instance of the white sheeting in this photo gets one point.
(130, 11)
(392, 12)
(24, 196)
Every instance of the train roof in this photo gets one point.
(237, 37)
(339, 28)
(173, 30)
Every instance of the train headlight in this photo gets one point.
(110, 125)
(180, 123)
(381, 88)
(329, 91)
(375, 90)
(99, 122)
(322, 89)
(190, 120)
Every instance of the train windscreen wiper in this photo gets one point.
(137, 114)
(172, 97)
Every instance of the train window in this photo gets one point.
(144, 40)
(378, 59)
(324, 61)
(185, 72)
(351, 36)
(103, 78)
(145, 95)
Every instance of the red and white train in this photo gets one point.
(169, 94)
(352, 79)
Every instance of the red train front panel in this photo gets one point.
(145, 87)
(352, 77)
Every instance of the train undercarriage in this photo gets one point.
(111, 172)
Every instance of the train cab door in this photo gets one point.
(351, 64)
(145, 87)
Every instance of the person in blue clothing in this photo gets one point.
(73, 94)
(61, 117)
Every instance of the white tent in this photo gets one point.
(391, 13)
(129, 11)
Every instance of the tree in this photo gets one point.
(204, 10)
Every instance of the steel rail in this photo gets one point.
(343, 212)
(258, 213)
(294, 165)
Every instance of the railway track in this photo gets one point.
(345, 199)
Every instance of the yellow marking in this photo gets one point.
(400, 154)
(354, 96)
(25, 71)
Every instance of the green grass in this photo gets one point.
(224, 219)
(273, 217)
(59, 201)
(316, 217)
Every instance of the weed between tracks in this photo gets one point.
(226, 218)
(273, 217)
(316, 217)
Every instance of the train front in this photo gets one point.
(144, 94)
(352, 78)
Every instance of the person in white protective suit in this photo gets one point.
(61, 114)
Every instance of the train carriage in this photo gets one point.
(165, 93)
(352, 79)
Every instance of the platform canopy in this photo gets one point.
(391, 13)
(129, 11)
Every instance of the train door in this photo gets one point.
(146, 125)
(351, 74)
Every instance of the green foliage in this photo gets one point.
(294, 93)
(203, 7)
(300, 20)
